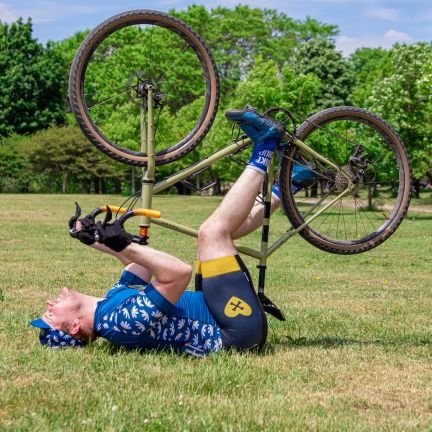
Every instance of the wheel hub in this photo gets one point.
(351, 174)
(138, 86)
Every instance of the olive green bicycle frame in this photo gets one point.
(149, 188)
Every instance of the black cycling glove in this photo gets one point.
(113, 235)
(87, 233)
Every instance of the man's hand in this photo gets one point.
(86, 230)
(113, 235)
(83, 229)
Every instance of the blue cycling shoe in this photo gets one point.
(302, 176)
(256, 126)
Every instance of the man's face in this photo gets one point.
(61, 311)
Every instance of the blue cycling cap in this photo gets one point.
(54, 338)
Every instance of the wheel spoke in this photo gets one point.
(325, 219)
(173, 133)
(125, 54)
(343, 219)
(109, 99)
(117, 90)
(363, 150)
(133, 67)
(383, 209)
(361, 220)
(362, 210)
(338, 218)
(355, 217)
(151, 53)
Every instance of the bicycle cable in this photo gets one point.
(134, 199)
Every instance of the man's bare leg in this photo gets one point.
(215, 235)
(225, 283)
(255, 218)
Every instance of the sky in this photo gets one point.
(361, 23)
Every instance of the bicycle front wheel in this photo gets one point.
(357, 199)
(114, 68)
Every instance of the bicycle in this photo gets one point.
(355, 155)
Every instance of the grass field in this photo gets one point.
(354, 354)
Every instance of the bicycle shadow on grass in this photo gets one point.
(330, 342)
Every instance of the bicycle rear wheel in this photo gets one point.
(109, 79)
(372, 155)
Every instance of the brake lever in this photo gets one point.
(72, 231)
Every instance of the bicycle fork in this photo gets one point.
(147, 146)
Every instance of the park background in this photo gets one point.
(355, 351)
(264, 57)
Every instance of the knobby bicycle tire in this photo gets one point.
(357, 133)
(183, 141)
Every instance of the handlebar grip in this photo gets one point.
(147, 212)
(139, 212)
(155, 214)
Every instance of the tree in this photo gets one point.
(369, 66)
(266, 87)
(13, 167)
(320, 57)
(263, 87)
(65, 50)
(63, 153)
(404, 98)
(32, 78)
(239, 36)
(254, 60)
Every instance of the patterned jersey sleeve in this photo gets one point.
(135, 316)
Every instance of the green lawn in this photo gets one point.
(355, 352)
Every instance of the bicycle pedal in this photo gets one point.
(270, 308)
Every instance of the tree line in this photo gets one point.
(268, 60)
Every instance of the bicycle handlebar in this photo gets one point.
(126, 214)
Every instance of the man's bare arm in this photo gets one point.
(172, 275)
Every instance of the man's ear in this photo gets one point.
(75, 327)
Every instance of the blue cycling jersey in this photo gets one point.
(144, 319)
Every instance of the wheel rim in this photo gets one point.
(117, 70)
(370, 207)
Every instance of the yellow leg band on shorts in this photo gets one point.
(219, 266)
(198, 267)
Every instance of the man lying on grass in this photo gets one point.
(148, 308)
